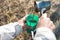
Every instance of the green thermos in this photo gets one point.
(32, 21)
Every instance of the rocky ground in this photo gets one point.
(13, 10)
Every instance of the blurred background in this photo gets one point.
(13, 10)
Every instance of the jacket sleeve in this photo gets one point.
(44, 33)
(9, 31)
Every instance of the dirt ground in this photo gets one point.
(13, 10)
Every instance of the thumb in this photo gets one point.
(24, 17)
(44, 15)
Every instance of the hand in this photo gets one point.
(44, 21)
(22, 21)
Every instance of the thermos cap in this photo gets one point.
(32, 21)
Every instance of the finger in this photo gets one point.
(48, 19)
(45, 19)
(24, 17)
(50, 22)
(44, 16)
(51, 25)
(39, 19)
(26, 13)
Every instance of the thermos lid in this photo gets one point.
(31, 21)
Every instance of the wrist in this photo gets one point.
(21, 24)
